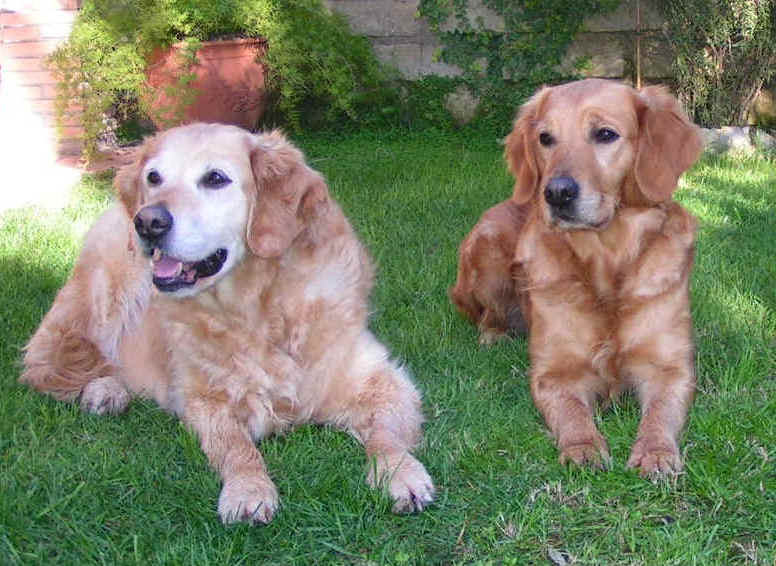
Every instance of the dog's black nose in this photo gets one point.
(153, 221)
(561, 191)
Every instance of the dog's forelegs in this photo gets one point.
(566, 398)
(571, 370)
(664, 398)
(390, 426)
(384, 415)
(248, 494)
(660, 368)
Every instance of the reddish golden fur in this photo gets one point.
(605, 294)
(280, 339)
(485, 290)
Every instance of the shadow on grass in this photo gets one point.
(26, 295)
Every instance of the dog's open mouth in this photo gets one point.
(171, 274)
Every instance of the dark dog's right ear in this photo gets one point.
(519, 149)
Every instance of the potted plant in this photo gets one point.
(211, 81)
(305, 57)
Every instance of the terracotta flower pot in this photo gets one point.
(224, 83)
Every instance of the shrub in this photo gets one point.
(315, 61)
(319, 69)
(97, 73)
(725, 50)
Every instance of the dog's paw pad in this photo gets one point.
(249, 500)
(409, 485)
(491, 336)
(104, 396)
(593, 453)
(655, 459)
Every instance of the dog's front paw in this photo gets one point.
(249, 499)
(592, 451)
(104, 396)
(491, 336)
(409, 485)
(654, 457)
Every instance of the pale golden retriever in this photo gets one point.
(229, 287)
(594, 257)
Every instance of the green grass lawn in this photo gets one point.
(135, 489)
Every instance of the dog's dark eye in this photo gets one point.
(153, 177)
(215, 179)
(546, 139)
(605, 135)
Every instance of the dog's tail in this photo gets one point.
(105, 298)
(462, 294)
(61, 361)
(464, 300)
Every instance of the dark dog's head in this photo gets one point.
(584, 148)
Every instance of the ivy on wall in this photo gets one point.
(502, 67)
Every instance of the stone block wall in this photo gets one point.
(403, 40)
(610, 41)
(398, 37)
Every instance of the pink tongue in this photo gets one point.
(166, 267)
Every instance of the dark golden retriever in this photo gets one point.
(593, 256)
(229, 287)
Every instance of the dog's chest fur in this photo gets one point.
(604, 283)
(270, 349)
(635, 257)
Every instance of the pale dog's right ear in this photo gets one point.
(128, 184)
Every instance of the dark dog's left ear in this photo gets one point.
(289, 196)
(668, 143)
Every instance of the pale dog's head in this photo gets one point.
(202, 196)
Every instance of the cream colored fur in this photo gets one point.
(277, 338)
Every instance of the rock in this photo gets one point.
(763, 141)
(735, 139)
(728, 138)
(763, 111)
(462, 105)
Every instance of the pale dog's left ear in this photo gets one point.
(289, 195)
(668, 143)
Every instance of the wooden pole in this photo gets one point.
(638, 44)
